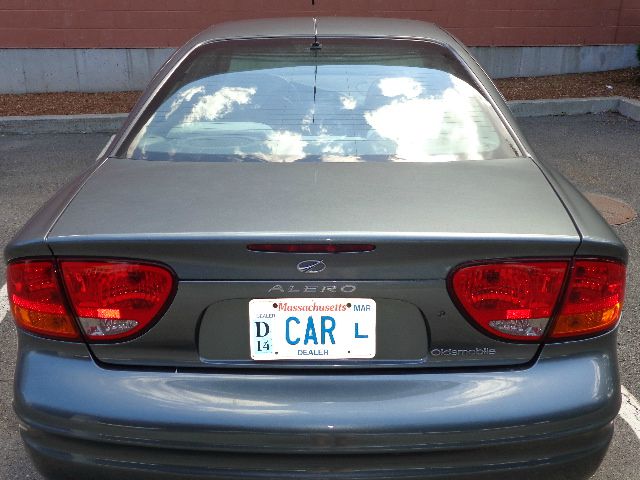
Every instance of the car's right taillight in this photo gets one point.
(526, 300)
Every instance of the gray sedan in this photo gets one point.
(317, 249)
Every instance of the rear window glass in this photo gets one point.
(277, 100)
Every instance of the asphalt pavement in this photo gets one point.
(599, 153)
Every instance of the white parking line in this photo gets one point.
(4, 302)
(630, 411)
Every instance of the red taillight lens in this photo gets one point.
(512, 300)
(37, 301)
(516, 300)
(594, 298)
(114, 300)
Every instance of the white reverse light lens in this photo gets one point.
(521, 328)
(96, 327)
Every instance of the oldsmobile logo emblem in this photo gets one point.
(311, 266)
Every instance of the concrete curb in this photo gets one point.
(110, 123)
(576, 106)
(627, 107)
(630, 108)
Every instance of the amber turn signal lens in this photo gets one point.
(593, 300)
(36, 300)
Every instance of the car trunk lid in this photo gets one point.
(424, 219)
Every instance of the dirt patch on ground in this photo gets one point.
(66, 103)
(624, 83)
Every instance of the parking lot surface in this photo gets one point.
(599, 153)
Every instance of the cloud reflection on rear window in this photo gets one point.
(410, 102)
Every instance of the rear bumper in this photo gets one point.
(574, 457)
(80, 420)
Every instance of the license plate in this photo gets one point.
(312, 328)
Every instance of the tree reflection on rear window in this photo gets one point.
(275, 100)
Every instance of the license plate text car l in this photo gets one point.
(312, 328)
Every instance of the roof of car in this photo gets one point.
(327, 26)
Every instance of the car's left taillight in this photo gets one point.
(109, 300)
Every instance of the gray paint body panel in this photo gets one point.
(588, 398)
(541, 412)
(30, 239)
(225, 200)
(598, 239)
(196, 332)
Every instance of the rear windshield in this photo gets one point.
(278, 100)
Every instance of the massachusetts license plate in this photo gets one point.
(312, 328)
